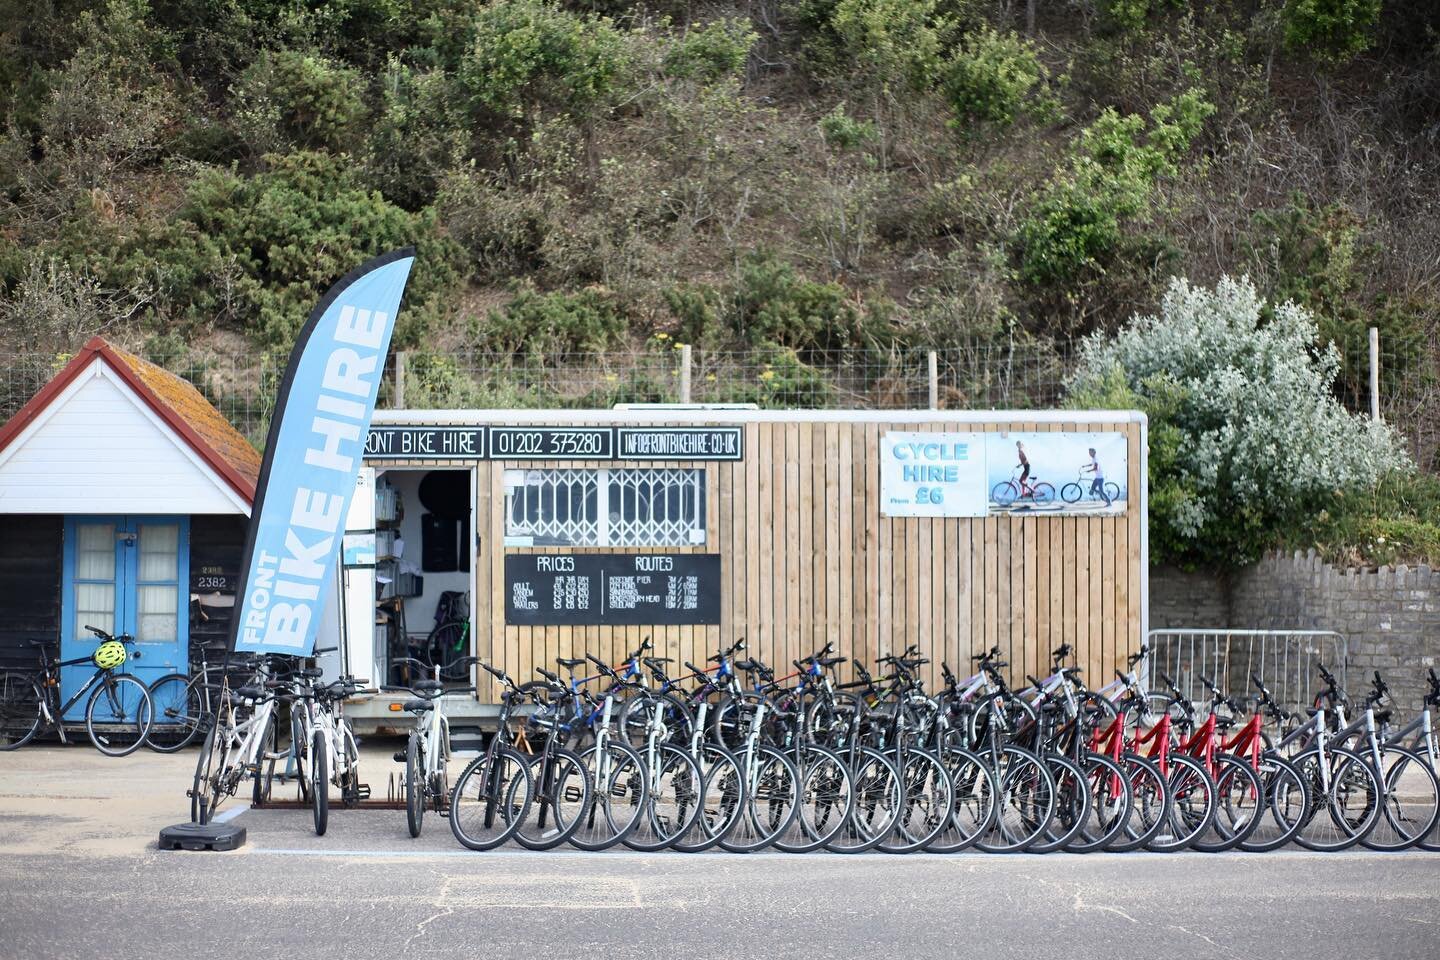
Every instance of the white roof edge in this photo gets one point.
(486, 417)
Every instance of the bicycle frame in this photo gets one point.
(50, 679)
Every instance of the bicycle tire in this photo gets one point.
(1043, 492)
(113, 739)
(620, 796)
(672, 803)
(827, 799)
(1410, 817)
(1070, 493)
(319, 783)
(414, 784)
(929, 793)
(827, 719)
(265, 763)
(1112, 490)
(771, 802)
(21, 713)
(722, 804)
(879, 795)
(561, 797)
(1239, 805)
(635, 716)
(1072, 804)
(1025, 802)
(178, 708)
(973, 809)
(1112, 799)
(203, 798)
(1329, 826)
(1287, 800)
(1003, 494)
(1192, 805)
(486, 816)
(1150, 804)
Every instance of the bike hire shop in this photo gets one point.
(124, 498)
(523, 536)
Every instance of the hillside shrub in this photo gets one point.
(990, 77)
(292, 99)
(537, 324)
(1248, 440)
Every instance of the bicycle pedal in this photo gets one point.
(362, 792)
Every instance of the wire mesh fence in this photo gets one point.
(982, 374)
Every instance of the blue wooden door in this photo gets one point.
(126, 575)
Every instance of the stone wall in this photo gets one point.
(1390, 616)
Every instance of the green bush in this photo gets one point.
(990, 77)
(290, 99)
(1333, 30)
(712, 52)
(556, 323)
(773, 304)
(260, 250)
(896, 43)
(1077, 221)
(1395, 521)
(523, 54)
(419, 135)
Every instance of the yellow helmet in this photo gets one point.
(109, 654)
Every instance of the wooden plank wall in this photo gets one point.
(807, 558)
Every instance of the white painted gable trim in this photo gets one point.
(99, 369)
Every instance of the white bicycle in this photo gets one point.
(427, 751)
(325, 748)
(240, 741)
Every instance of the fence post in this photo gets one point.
(685, 373)
(400, 358)
(1375, 374)
(934, 381)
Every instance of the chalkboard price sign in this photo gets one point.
(623, 589)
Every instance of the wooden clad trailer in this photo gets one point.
(791, 533)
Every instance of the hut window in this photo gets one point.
(605, 508)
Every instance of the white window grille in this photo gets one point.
(605, 508)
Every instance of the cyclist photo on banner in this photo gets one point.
(1056, 473)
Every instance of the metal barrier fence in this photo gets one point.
(1286, 661)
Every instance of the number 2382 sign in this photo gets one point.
(932, 475)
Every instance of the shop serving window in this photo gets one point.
(604, 508)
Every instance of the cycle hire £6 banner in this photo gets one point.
(312, 456)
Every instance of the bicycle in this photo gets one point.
(487, 805)
(1007, 492)
(233, 746)
(1083, 488)
(325, 746)
(427, 749)
(563, 789)
(118, 713)
(183, 703)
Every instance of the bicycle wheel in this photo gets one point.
(879, 796)
(487, 806)
(828, 718)
(319, 782)
(204, 793)
(1044, 493)
(1343, 810)
(676, 786)
(1412, 801)
(1111, 800)
(1004, 493)
(639, 710)
(415, 783)
(771, 801)
(1072, 804)
(622, 790)
(929, 802)
(265, 763)
(20, 711)
(1071, 492)
(721, 805)
(1025, 804)
(118, 715)
(1287, 803)
(826, 800)
(1014, 714)
(1239, 805)
(1112, 490)
(973, 811)
(1150, 804)
(562, 796)
(1192, 805)
(178, 706)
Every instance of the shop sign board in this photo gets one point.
(396, 442)
(629, 589)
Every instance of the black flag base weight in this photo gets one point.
(202, 836)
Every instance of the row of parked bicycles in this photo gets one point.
(729, 755)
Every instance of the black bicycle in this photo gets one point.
(117, 716)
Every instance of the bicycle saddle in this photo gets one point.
(419, 706)
(428, 686)
(1383, 716)
(830, 661)
(570, 663)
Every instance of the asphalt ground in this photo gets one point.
(80, 876)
